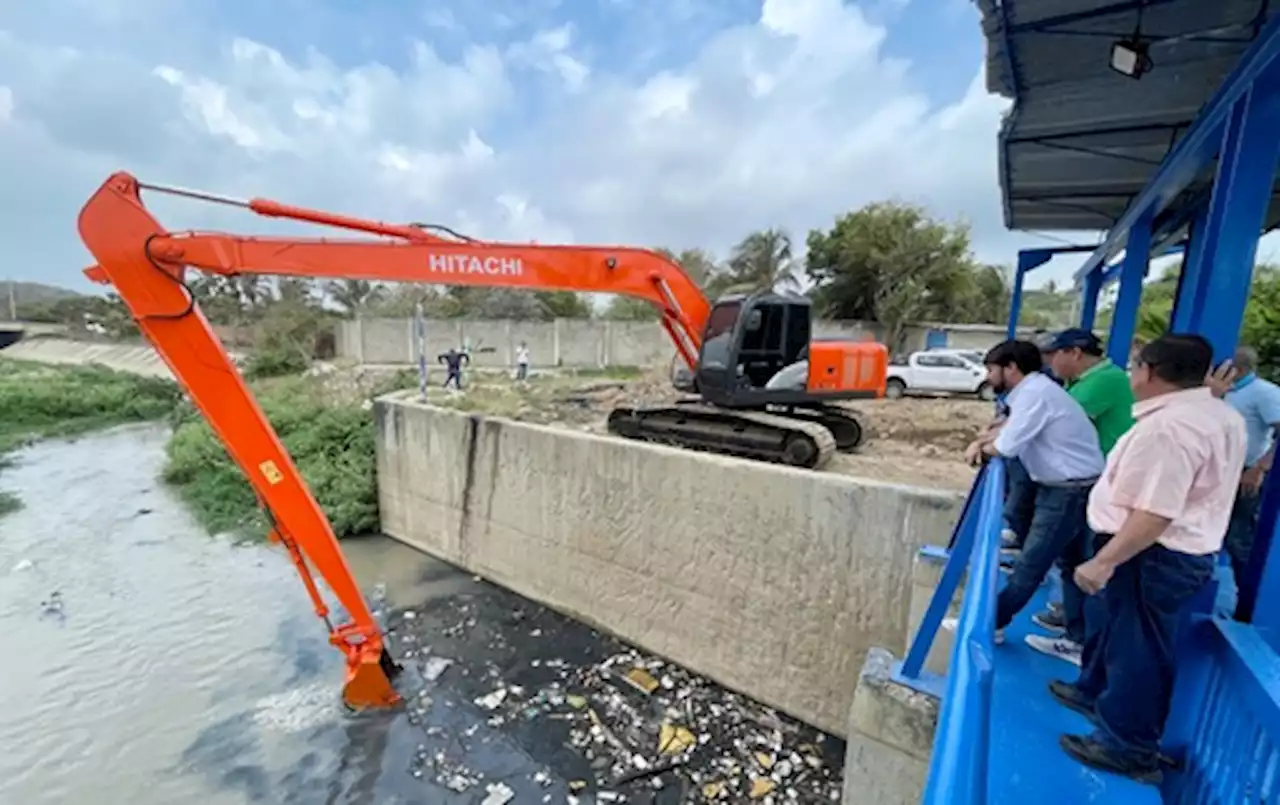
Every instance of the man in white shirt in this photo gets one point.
(1052, 436)
(522, 361)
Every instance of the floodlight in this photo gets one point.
(1129, 57)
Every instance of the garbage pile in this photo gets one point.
(602, 721)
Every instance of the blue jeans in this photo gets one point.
(1239, 540)
(1019, 499)
(1057, 533)
(1128, 662)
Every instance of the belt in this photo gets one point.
(1071, 483)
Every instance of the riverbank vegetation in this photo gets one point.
(40, 401)
(328, 432)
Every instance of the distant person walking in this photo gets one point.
(1258, 402)
(1049, 433)
(522, 362)
(1160, 511)
(453, 361)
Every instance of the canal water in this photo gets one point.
(150, 663)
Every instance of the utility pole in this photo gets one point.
(13, 302)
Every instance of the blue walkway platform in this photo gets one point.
(1026, 763)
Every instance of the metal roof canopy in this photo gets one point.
(1194, 157)
(1082, 141)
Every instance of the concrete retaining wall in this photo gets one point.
(773, 581)
(584, 342)
(138, 360)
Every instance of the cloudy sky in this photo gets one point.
(650, 122)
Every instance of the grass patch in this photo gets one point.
(332, 444)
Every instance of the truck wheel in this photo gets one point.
(894, 388)
(986, 393)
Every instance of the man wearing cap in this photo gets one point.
(1103, 390)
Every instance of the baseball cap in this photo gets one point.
(1073, 338)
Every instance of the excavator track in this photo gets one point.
(845, 426)
(776, 438)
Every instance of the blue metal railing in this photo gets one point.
(958, 767)
(1224, 722)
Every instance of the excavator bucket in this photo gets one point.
(369, 678)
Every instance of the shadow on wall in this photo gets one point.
(770, 580)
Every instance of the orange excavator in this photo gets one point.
(764, 388)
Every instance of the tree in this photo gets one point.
(563, 305)
(629, 308)
(762, 261)
(354, 296)
(891, 263)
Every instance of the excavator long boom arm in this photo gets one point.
(146, 265)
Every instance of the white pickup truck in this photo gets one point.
(939, 372)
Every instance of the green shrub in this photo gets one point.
(332, 447)
(41, 401)
(9, 502)
(275, 361)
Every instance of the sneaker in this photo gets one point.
(1052, 621)
(1009, 540)
(1058, 647)
(951, 624)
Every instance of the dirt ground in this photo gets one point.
(915, 441)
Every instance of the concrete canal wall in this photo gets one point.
(772, 581)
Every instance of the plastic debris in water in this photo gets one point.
(499, 794)
(490, 701)
(434, 667)
(24, 564)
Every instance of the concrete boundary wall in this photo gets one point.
(772, 581)
(589, 342)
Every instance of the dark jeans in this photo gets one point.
(1019, 499)
(522, 371)
(1239, 539)
(1057, 533)
(453, 378)
(1128, 662)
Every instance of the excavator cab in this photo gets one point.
(758, 351)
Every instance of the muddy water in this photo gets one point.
(148, 663)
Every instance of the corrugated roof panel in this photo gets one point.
(1082, 140)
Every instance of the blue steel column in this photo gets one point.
(1237, 209)
(1089, 299)
(1137, 258)
(1028, 259)
(1188, 302)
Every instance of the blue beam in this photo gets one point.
(1188, 301)
(1236, 215)
(1089, 300)
(1197, 147)
(1133, 270)
(1028, 260)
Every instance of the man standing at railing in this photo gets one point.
(1050, 434)
(1160, 511)
(1102, 389)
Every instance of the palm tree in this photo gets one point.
(763, 261)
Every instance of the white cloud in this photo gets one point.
(788, 120)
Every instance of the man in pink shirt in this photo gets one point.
(1160, 511)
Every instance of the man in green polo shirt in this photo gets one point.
(1102, 389)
